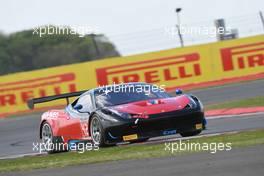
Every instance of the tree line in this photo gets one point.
(24, 51)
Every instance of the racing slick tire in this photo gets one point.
(97, 132)
(190, 133)
(48, 140)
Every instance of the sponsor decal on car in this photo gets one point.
(169, 132)
(199, 126)
(130, 137)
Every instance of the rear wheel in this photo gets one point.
(190, 133)
(47, 138)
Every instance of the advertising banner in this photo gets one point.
(188, 67)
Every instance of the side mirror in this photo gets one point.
(178, 91)
(78, 107)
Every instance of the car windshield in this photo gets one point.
(115, 96)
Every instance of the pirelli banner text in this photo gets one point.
(187, 67)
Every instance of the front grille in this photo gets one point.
(175, 122)
(176, 113)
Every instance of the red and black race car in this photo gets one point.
(131, 112)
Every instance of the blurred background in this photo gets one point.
(114, 28)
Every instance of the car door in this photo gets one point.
(76, 127)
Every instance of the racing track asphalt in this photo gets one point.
(18, 134)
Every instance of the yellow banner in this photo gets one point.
(180, 67)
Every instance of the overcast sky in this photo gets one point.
(115, 17)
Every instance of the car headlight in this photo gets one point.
(197, 102)
(201, 105)
(191, 104)
(123, 115)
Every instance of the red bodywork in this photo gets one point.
(157, 106)
(65, 126)
(75, 128)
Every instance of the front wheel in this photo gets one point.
(190, 133)
(97, 132)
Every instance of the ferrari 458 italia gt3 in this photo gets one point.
(106, 116)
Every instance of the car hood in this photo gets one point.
(154, 106)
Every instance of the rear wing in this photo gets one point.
(31, 103)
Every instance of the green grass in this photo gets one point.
(249, 102)
(124, 152)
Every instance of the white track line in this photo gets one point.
(21, 155)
